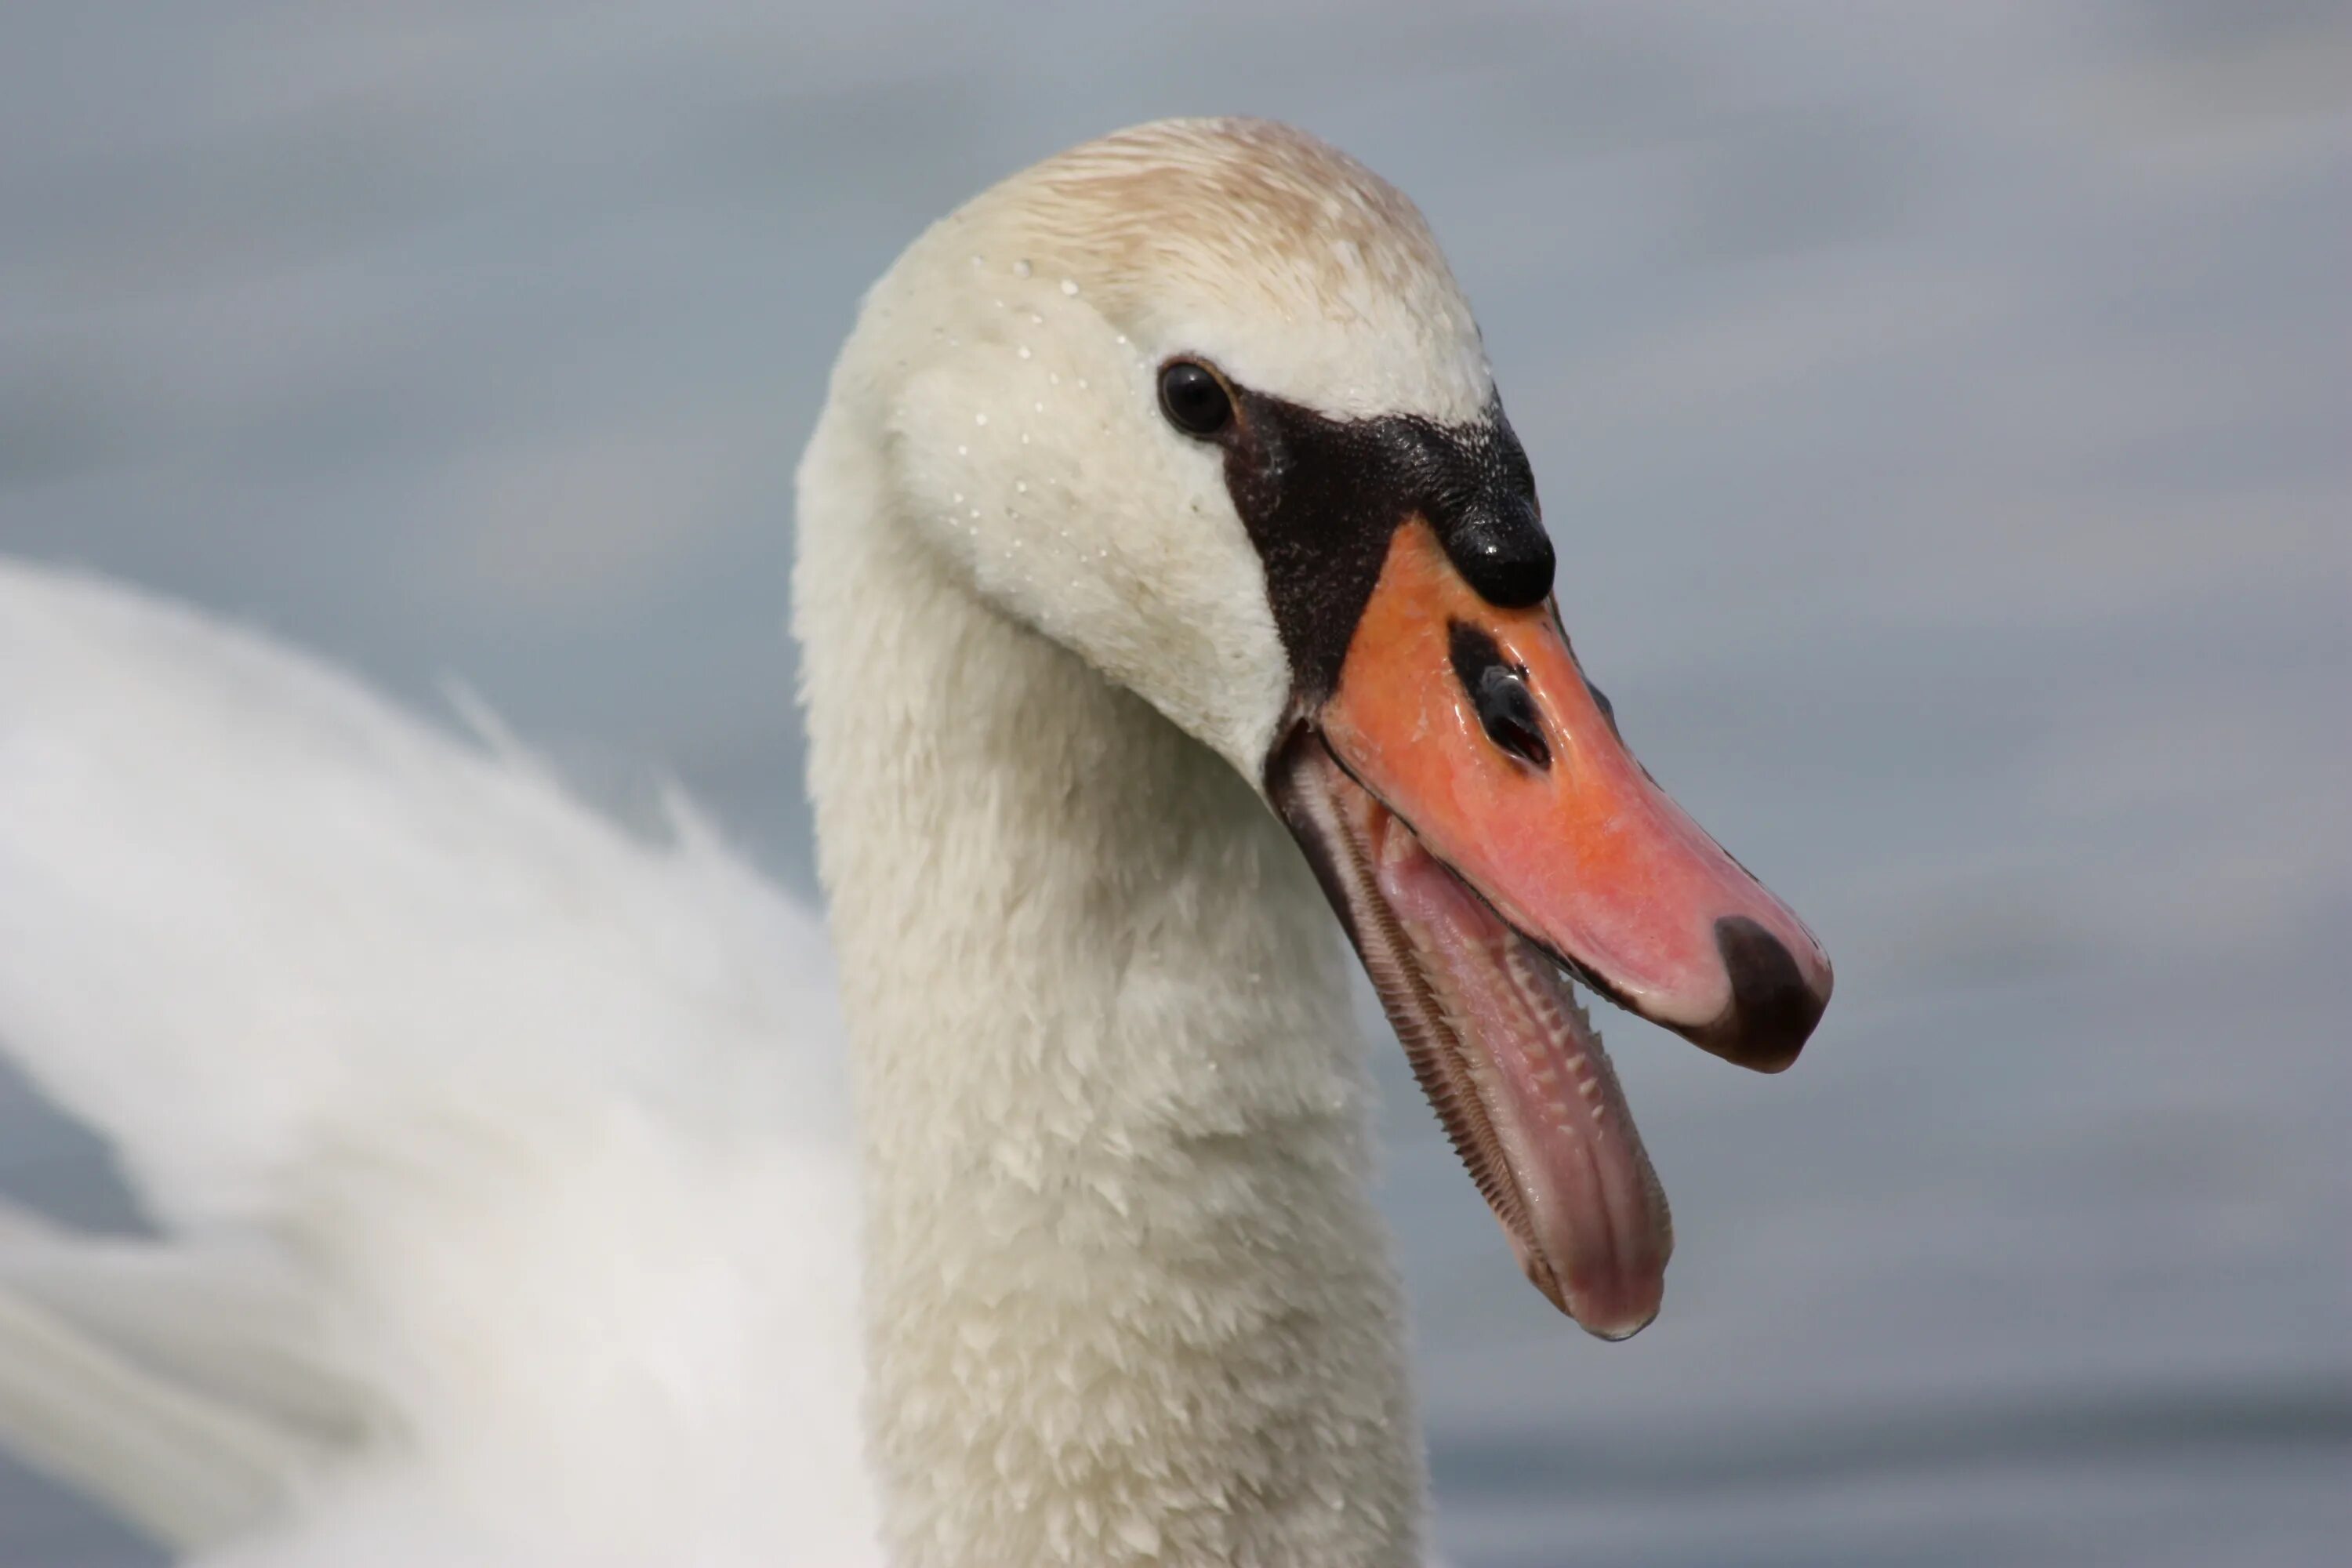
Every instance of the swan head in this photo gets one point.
(1202, 402)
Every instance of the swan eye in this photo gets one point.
(1194, 401)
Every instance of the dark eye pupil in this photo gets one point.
(1194, 400)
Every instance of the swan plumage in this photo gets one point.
(502, 1157)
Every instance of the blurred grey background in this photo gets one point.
(1946, 413)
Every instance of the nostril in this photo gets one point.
(1772, 1008)
(1509, 716)
(1498, 693)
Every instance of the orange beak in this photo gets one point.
(1477, 820)
(1476, 726)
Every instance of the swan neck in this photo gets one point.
(1127, 1298)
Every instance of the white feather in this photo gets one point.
(524, 1140)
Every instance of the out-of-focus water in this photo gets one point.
(1946, 415)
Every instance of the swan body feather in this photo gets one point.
(501, 1158)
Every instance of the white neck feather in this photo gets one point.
(1127, 1299)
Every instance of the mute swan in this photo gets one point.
(510, 1207)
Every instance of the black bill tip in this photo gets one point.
(1772, 1009)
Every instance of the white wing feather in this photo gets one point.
(502, 1159)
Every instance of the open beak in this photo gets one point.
(1480, 825)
